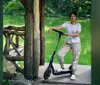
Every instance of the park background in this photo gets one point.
(56, 13)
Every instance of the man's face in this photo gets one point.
(73, 17)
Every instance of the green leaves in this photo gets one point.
(13, 7)
(52, 7)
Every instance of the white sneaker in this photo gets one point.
(73, 77)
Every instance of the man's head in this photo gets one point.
(73, 16)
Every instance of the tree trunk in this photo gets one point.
(17, 41)
(28, 46)
(42, 38)
(36, 39)
(1, 41)
(32, 39)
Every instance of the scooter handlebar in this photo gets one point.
(58, 31)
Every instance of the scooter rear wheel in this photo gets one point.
(47, 73)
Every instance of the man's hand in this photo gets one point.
(56, 28)
(50, 30)
(67, 34)
(73, 35)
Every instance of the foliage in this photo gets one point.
(52, 7)
(13, 7)
(85, 9)
(6, 82)
(65, 7)
(58, 8)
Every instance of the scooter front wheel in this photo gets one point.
(47, 73)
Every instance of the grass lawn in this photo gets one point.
(51, 39)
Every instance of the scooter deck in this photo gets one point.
(61, 72)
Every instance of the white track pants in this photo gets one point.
(75, 54)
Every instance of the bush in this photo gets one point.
(13, 7)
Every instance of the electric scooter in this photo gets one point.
(50, 69)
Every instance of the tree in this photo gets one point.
(52, 7)
(32, 38)
(13, 7)
(42, 36)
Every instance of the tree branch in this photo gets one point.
(19, 69)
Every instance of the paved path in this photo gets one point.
(83, 76)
